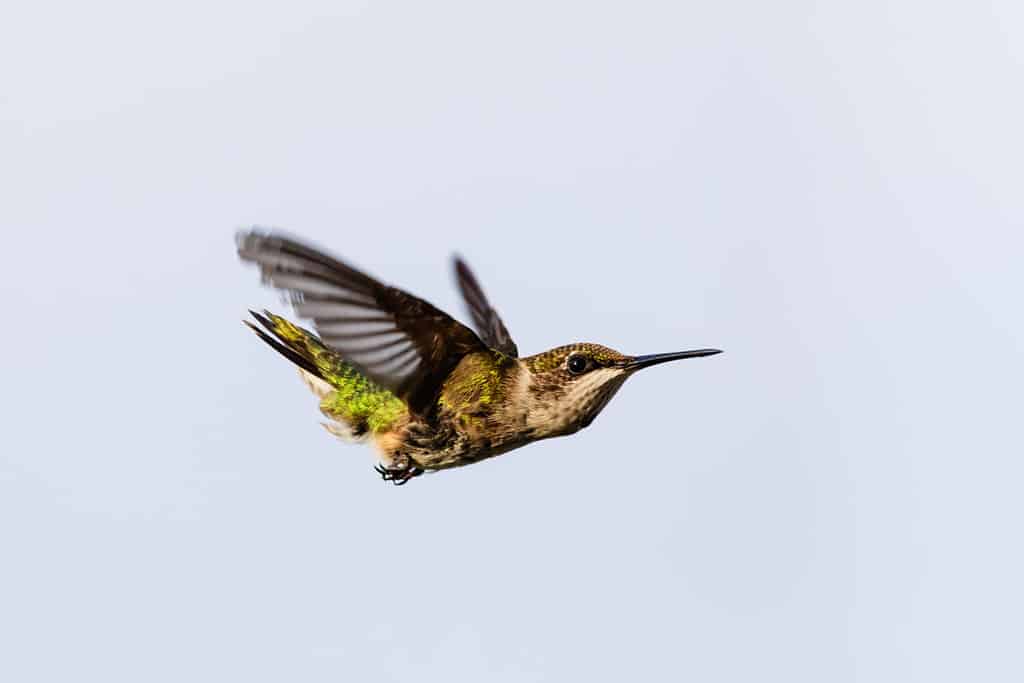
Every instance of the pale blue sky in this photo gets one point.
(831, 192)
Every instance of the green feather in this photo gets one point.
(357, 401)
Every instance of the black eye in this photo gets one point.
(577, 364)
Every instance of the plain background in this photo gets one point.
(831, 192)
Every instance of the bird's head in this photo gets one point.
(569, 385)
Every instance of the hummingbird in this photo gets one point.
(429, 392)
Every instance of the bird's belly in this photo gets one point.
(444, 449)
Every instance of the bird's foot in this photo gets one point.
(399, 475)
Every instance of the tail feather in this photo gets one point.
(286, 349)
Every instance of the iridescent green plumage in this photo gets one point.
(363, 406)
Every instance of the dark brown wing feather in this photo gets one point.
(396, 339)
(492, 330)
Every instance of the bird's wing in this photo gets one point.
(485, 318)
(396, 339)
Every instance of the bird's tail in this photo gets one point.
(355, 405)
(298, 345)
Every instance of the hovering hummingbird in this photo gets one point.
(429, 392)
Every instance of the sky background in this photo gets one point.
(831, 192)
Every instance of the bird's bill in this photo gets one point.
(638, 362)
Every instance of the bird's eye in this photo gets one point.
(577, 365)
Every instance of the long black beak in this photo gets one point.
(638, 362)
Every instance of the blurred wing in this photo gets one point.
(396, 339)
(485, 318)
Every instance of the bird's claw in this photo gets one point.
(398, 476)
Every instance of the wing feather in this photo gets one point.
(399, 341)
(486, 320)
